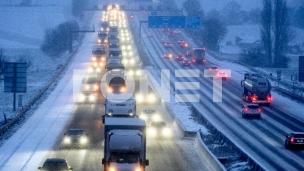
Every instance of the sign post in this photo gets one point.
(279, 76)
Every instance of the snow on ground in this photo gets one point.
(21, 34)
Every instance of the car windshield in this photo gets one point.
(75, 132)
(55, 165)
(149, 111)
(124, 157)
(253, 106)
(158, 124)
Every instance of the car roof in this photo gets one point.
(149, 108)
(297, 133)
(251, 104)
(56, 160)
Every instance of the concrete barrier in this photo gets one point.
(207, 155)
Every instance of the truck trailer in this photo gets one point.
(125, 144)
(256, 89)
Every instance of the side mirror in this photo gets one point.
(103, 161)
(39, 168)
(242, 83)
(103, 118)
(147, 162)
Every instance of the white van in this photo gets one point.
(120, 105)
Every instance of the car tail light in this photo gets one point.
(193, 60)
(268, 98)
(204, 60)
(253, 98)
(189, 62)
(259, 110)
(246, 109)
(292, 140)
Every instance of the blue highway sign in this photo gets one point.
(193, 22)
(166, 21)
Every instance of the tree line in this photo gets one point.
(275, 24)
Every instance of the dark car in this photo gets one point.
(219, 73)
(185, 62)
(179, 57)
(58, 164)
(251, 110)
(184, 45)
(294, 139)
(75, 137)
(168, 45)
(104, 26)
(168, 55)
(188, 53)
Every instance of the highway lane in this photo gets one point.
(263, 139)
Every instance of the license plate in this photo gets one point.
(300, 141)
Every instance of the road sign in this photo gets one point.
(173, 21)
(15, 77)
(166, 21)
(279, 74)
(193, 22)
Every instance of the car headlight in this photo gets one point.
(83, 140)
(166, 132)
(87, 87)
(99, 41)
(131, 72)
(143, 117)
(122, 89)
(81, 97)
(152, 132)
(90, 70)
(110, 90)
(92, 98)
(151, 98)
(96, 87)
(93, 58)
(67, 140)
(139, 98)
(112, 169)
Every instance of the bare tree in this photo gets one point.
(266, 23)
(281, 33)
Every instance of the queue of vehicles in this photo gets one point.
(126, 131)
(256, 88)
